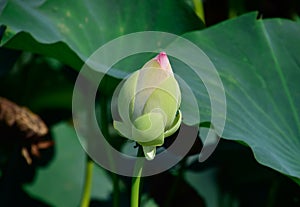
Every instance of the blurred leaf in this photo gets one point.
(236, 7)
(2, 30)
(174, 192)
(259, 65)
(7, 59)
(147, 202)
(42, 84)
(239, 178)
(2, 5)
(61, 183)
(205, 183)
(296, 180)
(86, 25)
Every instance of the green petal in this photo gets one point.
(152, 64)
(160, 99)
(126, 97)
(156, 142)
(171, 86)
(123, 129)
(148, 127)
(149, 79)
(166, 97)
(149, 152)
(175, 126)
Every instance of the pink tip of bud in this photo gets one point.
(163, 61)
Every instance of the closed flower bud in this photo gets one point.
(148, 105)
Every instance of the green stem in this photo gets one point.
(271, 200)
(116, 191)
(85, 200)
(136, 179)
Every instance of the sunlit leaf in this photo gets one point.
(84, 26)
(259, 64)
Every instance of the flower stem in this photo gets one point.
(136, 179)
(85, 200)
(116, 190)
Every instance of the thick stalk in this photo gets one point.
(116, 190)
(136, 179)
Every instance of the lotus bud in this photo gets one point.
(148, 105)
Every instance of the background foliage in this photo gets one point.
(256, 57)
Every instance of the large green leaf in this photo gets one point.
(259, 64)
(61, 183)
(86, 25)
